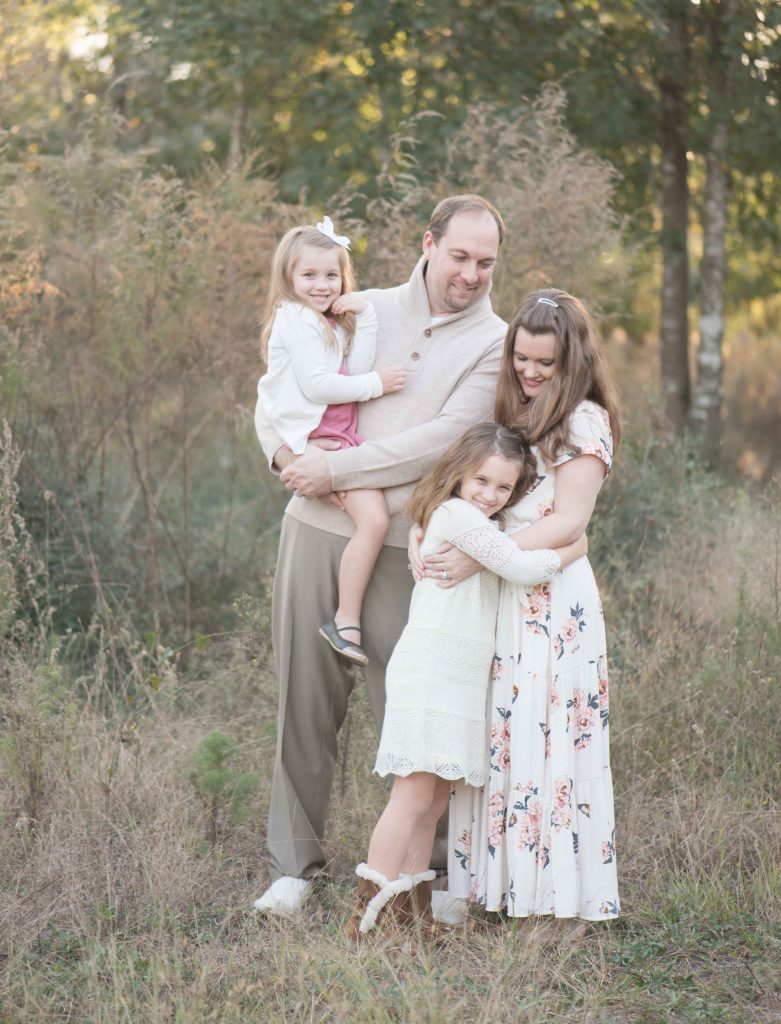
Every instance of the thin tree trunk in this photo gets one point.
(705, 416)
(674, 325)
(238, 122)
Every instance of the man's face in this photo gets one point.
(461, 264)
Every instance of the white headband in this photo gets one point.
(326, 227)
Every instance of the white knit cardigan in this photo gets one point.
(303, 371)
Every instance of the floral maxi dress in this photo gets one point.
(539, 837)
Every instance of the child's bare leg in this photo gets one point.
(409, 805)
(421, 842)
(369, 512)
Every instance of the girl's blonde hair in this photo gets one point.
(465, 456)
(581, 373)
(281, 283)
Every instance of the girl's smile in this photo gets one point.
(534, 361)
(490, 486)
(317, 277)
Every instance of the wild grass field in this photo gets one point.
(129, 870)
(138, 531)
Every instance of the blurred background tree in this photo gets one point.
(153, 153)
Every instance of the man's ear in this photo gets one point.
(428, 244)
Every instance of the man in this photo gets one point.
(441, 328)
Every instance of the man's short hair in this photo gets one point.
(469, 203)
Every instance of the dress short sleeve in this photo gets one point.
(589, 434)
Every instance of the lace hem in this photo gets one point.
(444, 744)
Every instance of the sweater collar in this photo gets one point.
(419, 304)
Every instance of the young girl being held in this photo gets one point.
(319, 342)
(437, 678)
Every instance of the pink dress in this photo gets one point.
(340, 421)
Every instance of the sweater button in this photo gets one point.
(427, 332)
(415, 356)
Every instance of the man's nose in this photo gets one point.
(469, 272)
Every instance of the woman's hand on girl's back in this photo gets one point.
(350, 302)
(448, 566)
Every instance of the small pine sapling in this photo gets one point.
(222, 788)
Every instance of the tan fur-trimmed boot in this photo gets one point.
(420, 902)
(420, 897)
(382, 906)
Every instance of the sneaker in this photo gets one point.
(448, 909)
(284, 897)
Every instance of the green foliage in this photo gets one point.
(221, 787)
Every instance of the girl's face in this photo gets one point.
(317, 277)
(490, 486)
(534, 361)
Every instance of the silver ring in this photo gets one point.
(445, 575)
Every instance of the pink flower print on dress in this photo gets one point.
(561, 818)
(463, 849)
(592, 448)
(544, 508)
(537, 603)
(500, 745)
(558, 647)
(538, 600)
(584, 707)
(561, 815)
(530, 826)
(569, 629)
(562, 789)
(602, 673)
(496, 822)
(555, 697)
(584, 720)
(500, 741)
(604, 713)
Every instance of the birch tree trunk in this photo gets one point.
(705, 417)
(674, 318)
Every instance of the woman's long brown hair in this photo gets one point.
(581, 373)
(464, 457)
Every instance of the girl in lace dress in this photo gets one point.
(319, 344)
(540, 837)
(434, 727)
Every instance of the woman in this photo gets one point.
(539, 838)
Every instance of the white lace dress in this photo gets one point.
(540, 837)
(437, 677)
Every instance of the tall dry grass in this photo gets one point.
(113, 906)
(136, 527)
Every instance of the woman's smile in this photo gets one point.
(534, 361)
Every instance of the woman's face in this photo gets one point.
(534, 361)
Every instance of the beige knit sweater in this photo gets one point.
(451, 368)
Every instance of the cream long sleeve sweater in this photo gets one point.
(452, 368)
(303, 371)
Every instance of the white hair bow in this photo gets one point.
(326, 227)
